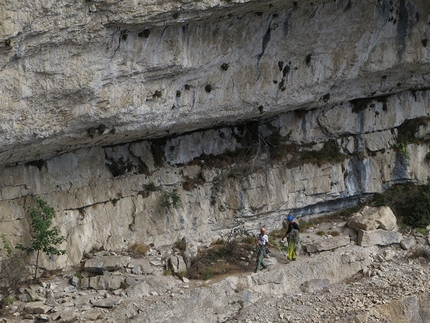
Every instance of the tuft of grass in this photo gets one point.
(181, 274)
(150, 187)
(207, 273)
(7, 300)
(79, 275)
(124, 285)
(422, 231)
(276, 234)
(139, 248)
(248, 240)
(181, 245)
(304, 225)
(321, 233)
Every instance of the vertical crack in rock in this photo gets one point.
(266, 39)
(404, 25)
(119, 41)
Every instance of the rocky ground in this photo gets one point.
(359, 299)
(367, 284)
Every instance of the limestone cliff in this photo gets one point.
(144, 69)
(110, 108)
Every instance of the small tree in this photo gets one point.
(44, 239)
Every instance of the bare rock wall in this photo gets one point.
(134, 70)
(111, 197)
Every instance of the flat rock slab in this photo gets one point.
(106, 303)
(106, 263)
(37, 308)
(314, 286)
(328, 244)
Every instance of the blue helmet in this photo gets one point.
(290, 218)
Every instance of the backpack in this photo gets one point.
(293, 236)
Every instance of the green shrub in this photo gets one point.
(181, 274)
(170, 199)
(419, 215)
(12, 269)
(181, 244)
(422, 231)
(44, 239)
(6, 247)
(401, 148)
(207, 273)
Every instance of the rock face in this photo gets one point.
(111, 197)
(95, 73)
(129, 119)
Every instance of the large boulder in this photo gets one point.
(106, 282)
(372, 218)
(378, 238)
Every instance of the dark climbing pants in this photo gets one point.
(260, 258)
